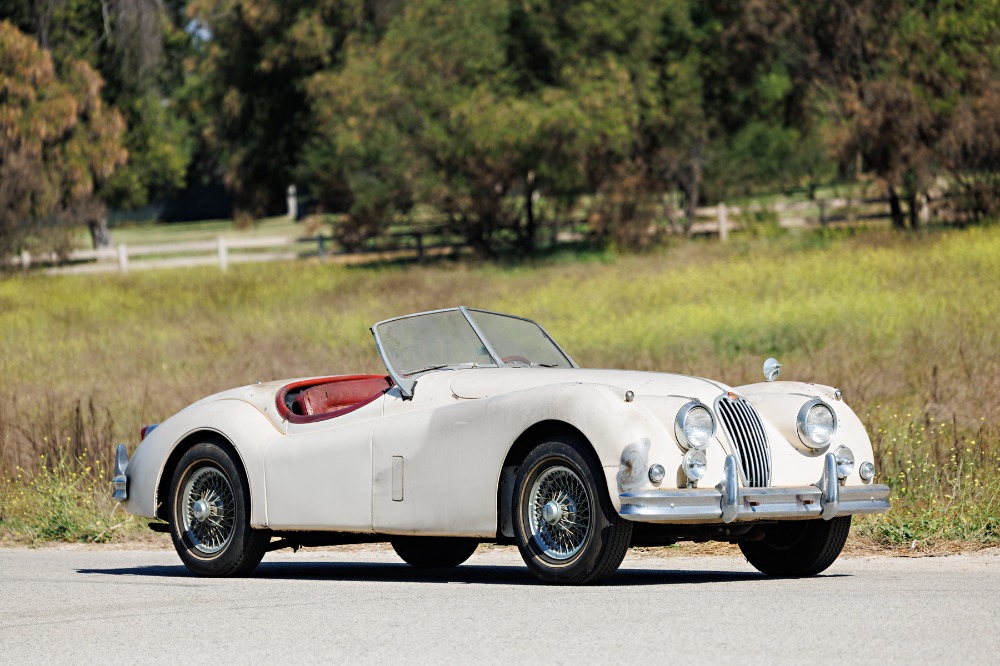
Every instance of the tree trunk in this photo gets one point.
(530, 226)
(911, 201)
(693, 189)
(100, 235)
(896, 210)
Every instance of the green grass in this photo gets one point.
(905, 325)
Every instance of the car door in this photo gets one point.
(434, 466)
(319, 475)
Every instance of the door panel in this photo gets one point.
(446, 466)
(319, 475)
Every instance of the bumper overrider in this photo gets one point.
(120, 481)
(728, 502)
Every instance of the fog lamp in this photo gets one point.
(867, 471)
(695, 464)
(656, 473)
(845, 462)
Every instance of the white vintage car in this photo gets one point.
(485, 430)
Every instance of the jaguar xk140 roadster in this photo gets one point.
(485, 430)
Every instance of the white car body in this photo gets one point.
(438, 456)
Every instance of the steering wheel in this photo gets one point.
(521, 359)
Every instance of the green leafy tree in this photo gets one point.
(256, 64)
(58, 142)
(139, 47)
(904, 86)
(458, 106)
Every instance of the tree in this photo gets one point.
(58, 141)
(900, 85)
(460, 107)
(140, 49)
(255, 68)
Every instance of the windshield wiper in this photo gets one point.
(426, 368)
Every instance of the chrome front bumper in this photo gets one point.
(728, 502)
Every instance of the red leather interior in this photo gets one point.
(335, 396)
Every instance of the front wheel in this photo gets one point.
(210, 514)
(434, 552)
(798, 548)
(565, 526)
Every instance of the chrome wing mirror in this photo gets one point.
(771, 369)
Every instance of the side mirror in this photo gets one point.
(771, 369)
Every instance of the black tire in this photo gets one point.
(434, 552)
(796, 549)
(210, 514)
(565, 526)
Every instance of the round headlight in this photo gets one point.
(656, 473)
(695, 463)
(695, 426)
(845, 462)
(817, 424)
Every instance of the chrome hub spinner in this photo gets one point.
(552, 513)
(201, 510)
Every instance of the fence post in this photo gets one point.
(123, 258)
(25, 260)
(822, 212)
(223, 254)
(723, 222)
(293, 203)
(420, 246)
(321, 243)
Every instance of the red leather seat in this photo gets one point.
(335, 396)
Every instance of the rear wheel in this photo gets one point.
(434, 552)
(564, 524)
(798, 548)
(210, 514)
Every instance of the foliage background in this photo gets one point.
(632, 110)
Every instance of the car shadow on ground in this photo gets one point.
(468, 574)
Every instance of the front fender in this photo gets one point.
(240, 423)
(779, 403)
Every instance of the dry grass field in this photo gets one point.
(905, 325)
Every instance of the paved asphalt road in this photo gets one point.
(86, 605)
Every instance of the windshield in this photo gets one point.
(519, 341)
(430, 341)
(462, 338)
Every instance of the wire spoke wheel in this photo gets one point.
(559, 512)
(208, 504)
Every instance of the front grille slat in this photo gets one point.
(749, 440)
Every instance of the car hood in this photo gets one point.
(485, 382)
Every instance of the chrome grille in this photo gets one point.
(746, 433)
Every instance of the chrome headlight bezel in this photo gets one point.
(681, 427)
(803, 426)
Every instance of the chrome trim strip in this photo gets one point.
(727, 502)
(120, 481)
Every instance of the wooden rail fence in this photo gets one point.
(721, 219)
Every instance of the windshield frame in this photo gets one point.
(407, 382)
